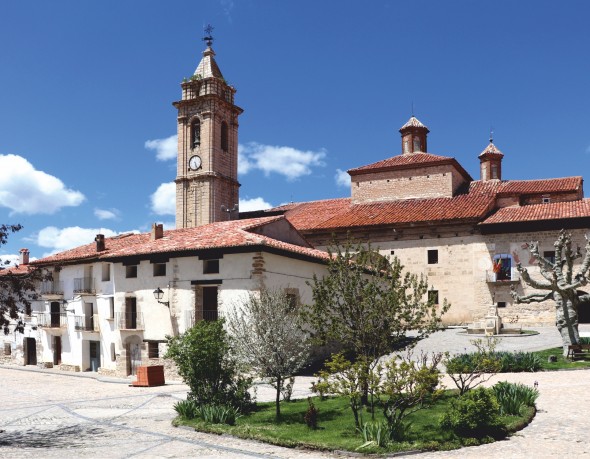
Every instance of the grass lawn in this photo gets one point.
(336, 427)
(562, 363)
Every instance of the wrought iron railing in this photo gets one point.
(193, 317)
(86, 323)
(129, 320)
(52, 319)
(51, 287)
(511, 275)
(84, 285)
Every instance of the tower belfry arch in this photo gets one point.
(207, 159)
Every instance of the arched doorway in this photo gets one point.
(133, 345)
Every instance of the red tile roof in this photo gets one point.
(491, 151)
(16, 270)
(219, 235)
(542, 186)
(536, 212)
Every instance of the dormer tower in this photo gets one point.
(490, 163)
(207, 164)
(414, 135)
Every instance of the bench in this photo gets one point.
(578, 350)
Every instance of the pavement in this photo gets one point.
(48, 413)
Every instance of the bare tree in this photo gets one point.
(268, 338)
(559, 284)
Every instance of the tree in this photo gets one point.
(17, 287)
(560, 285)
(268, 338)
(204, 359)
(367, 303)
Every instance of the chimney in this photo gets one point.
(99, 242)
(24, 256)
(157, 231)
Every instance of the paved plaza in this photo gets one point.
(45, 413)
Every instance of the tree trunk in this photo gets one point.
(278, 398)
(566, 320)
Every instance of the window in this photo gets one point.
(224, 139)
(111, 308)
(130, 271)
(433, 296)
(106, 272)
(433, 257)
(546, 200)
(406, 146)
(417, 146)
(159, 269)
(494, 171)
(113, 354)
(210, 266)
(549, 255)
(502, 267)
(392, 252)
(195, 133)
(501, 304)
(153, 350)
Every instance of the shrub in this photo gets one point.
(217, 414)
(374, 434)
(186, 409)
(204, 360)
(470, 370)
(584, 340)
(517, 362)
(512, 398)
(474, 414)
(311, 415)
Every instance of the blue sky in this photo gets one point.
(86, 89)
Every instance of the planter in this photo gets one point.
(150, 376)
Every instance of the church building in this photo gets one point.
(112, 302)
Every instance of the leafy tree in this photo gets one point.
(560, 284)
(367, 303)
(268, 338)
(204, 359)
(17, 287)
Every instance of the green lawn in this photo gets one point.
(336, 427)
(562, 363)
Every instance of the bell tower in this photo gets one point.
(207, 188)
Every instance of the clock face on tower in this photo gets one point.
(194, 163)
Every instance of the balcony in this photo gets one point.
(52, 319)
(49, 288)
(84, 285)
(86, 323)
(503, 277)
(193, 317)
(129, 320)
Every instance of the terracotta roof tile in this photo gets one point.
(413, 122)
(219, 235)
(491, 150)
(417, 159)
(535, 212)
(555, 185)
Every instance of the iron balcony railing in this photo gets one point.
(84, 285)
(52, 319)
(129, 320)
(86, 323)
(193, 317)
(511, 275)
(51, 288)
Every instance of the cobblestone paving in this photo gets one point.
(47, 414)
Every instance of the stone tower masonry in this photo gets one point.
(207, 187)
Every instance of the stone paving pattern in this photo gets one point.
(45, 413)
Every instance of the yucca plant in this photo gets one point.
(513, 397)
(186, 409)
(374, 434)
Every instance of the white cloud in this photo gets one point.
(166, 149)
(342, 178)
(247, 205)
(106, 214)
(164, 199)
(287, 161)
(59, 239)
(25, 190)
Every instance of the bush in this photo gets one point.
(474, 414)
(512, 398)
(518, 362)
(186, 409)
(311, 415)
(203, 357)
(217, 414)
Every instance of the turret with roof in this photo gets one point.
(490, 163)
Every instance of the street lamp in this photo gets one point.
(158, 295)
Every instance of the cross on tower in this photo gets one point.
(208, 38)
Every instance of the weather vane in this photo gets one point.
(491, 134)
(208, 38)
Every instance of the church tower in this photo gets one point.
(207, 188)
(414, 136)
